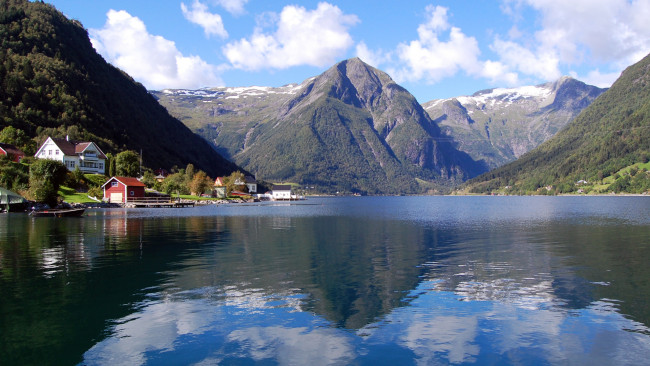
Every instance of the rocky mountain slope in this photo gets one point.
(609, 139)
(499, 125)
(349, 129)
(53, 82)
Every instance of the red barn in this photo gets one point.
(13, 152)
(123, 189)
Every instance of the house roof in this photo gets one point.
(11, 149)
(127, 181)
(282, 187)
(70, 147)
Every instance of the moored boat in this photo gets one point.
(57, 212)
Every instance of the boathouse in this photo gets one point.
(281, 192)
(123, 189)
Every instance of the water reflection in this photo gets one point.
(411, 283)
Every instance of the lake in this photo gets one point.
(343, 281)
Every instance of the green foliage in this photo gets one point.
(95, 180)
(13, 176)
(175, 184)
(235, 182)
(148, 178)
(18, 138)
(45, 177)
(127, 164)
(200, 183)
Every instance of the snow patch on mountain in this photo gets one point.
(501, 97)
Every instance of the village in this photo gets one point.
(137, 188)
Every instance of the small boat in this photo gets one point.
(59, 212)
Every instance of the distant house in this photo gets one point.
(251, 184)
(14, 153)
(219, 188)
(281, 192)
(85, 155)
(122, 189)
(161, 174)
(220, 191)
(220, 182)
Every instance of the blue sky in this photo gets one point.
(435, 49)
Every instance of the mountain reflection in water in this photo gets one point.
(339, 280)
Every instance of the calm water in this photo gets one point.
(369, 280)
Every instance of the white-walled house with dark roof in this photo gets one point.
(85, 155)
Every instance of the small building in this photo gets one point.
(161, 174)
(220, 182)
(85, 155)
(251, 184)
(220, 191)
(123, 189)
(14, 153)
(281, 192)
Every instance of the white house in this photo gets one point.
(251, 184)
(281, 192)
(85, 155)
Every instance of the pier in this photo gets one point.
(157, 202)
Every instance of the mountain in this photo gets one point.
(349, 129)
(53, 82)
(500, 125)
(607, 147)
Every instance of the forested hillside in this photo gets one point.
(606, 148)
(54, 83)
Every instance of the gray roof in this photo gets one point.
(282, 187)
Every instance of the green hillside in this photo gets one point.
(54, 83)
(603, 150)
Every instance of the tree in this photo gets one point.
(189, 172)
(235, 182)
(45, 177)
(148, 178)
(13, 176)
(175, 183)
(127, 164)
(200, 183)
(18, 138)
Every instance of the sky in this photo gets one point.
(435, 49)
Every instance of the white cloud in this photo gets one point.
(152, 60)
(579, 32)
(303, 37)
(542, 64)
(211, 23)
(442, 51)
(235, 7)
(596, 78)
(369, 56)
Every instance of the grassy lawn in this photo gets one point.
(71, 196)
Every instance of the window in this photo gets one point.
(101, 165)
(113, 184)
(72, 164)
(56, 152)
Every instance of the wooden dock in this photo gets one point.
(157, 202)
